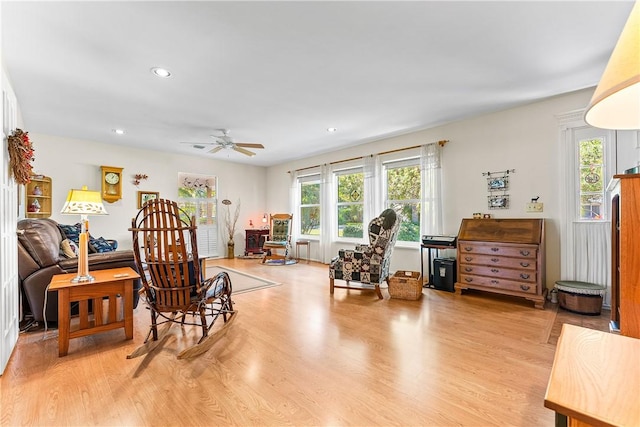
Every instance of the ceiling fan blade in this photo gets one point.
(243, 151)
(198, 143)
(249, 145)
(216, 149)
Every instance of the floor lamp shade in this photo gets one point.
(83, 202)
(616, 101)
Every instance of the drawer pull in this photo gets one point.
(495, 259)
(495, 282)
(468, 258)
(524, 276)
(468, 269)
(495, 249)
(468, 279)
(524, 264)
(525, 287)
(524, 253)
(468, 248)
(495, 270)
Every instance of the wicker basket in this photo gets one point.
(405, 285)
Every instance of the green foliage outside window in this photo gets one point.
(199, 201)
(592, 186)
(350, 205)
(403, 195)
(310, 208)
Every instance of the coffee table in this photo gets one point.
(107, 286)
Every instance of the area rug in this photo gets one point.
(241, 282)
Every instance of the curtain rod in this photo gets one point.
(441, 143)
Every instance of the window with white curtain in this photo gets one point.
(349, 185)
(197, 196)
(591, 177)
(335, 202)
(402, 191)
(309, 206)
(588, 159)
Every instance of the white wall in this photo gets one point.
(524, 138)
(74, 163)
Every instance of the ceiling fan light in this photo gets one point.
(161, 72)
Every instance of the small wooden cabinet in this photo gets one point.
(504, 256)
(38, 197)
(625, 252)
(254, 239)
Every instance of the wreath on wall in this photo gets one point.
(20, 156)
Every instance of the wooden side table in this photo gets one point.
(108, 283)
(302, 243)
(595, 379)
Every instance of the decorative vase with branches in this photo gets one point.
(230, 224)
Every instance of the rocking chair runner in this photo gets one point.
(165, 248)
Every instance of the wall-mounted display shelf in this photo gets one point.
(38, 197)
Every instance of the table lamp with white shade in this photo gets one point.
(83, 202)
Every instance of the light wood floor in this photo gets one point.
(296, 356)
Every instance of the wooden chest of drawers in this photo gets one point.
(504, 256)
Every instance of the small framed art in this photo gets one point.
(498, 183)
(498, 202)
(145, 196)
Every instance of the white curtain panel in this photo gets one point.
(431, 211)
(592, 243)
(294, 202)
(373, 199)
(326, 214)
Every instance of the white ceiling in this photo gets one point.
(281, 73)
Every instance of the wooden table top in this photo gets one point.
(595, 377)
(60, 281)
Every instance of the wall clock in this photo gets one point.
(111, 183)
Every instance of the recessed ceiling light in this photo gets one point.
(118, 131)
(161, 72)
(332, 129)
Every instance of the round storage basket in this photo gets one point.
(580, 297)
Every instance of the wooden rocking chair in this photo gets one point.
(279, 238)
(166, 252)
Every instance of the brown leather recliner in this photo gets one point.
(39, 260)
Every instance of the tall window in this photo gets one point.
(350, 203)
(309, 188)
(402, 193)
(591, 179)
(197, 195)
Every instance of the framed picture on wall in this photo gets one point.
(145, 196)
(499, 183)
(498, 202)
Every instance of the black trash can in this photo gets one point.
(444, 274)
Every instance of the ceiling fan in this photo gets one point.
(224, 141)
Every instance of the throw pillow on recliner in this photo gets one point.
(99, 245)
(96, 245)
(68, 248)
(71, 232)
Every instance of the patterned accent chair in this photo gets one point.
(279, 238)
(367, 264)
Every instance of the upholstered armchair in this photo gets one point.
(367, 264)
